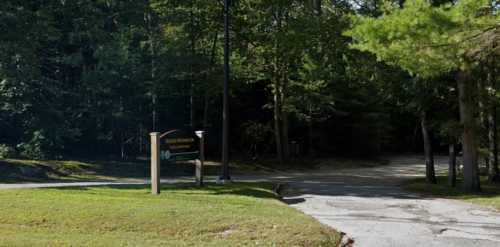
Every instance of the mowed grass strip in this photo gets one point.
(11, 170)
(241, 214)
(490, 195)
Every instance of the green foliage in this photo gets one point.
(6, 151)
(86, 77)
(432, 40)
(39, 147)
(450, 131)
(256, 135)
(425, 40)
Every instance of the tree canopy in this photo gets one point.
(309, 77)
(429, 40)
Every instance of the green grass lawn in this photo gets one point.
(20, 170)
(241, 214)
(490, 196)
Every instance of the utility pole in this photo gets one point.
(225, 115)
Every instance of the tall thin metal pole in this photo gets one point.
(225, 114)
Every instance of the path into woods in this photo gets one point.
(368, 204)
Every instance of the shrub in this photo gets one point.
(256, 137)
(6, 151)
(39, 147)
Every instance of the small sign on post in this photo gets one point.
(155, 163)
(176, 145)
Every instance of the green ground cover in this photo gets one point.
(21, 170)
(490, 195)
(242, 214)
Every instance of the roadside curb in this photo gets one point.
(345, 241)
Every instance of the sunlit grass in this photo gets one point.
(490, 195)
(235, 215)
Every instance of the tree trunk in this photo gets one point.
(316, 6)
(122, 146)
(122, 149)
(430, 173)
(483, 128)
(493, 173)
(467, 105)
(154, 111)
(191, 105)
(284, 118)
(278, 95)
(277, 124)
(285, 141)
(206, 104)
(206, 95)
(311, 151)
(140, 139)
(452, 165)
(191, 65)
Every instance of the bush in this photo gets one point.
(38, 148)
(6, 151)
(256, 137)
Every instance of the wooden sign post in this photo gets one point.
(155, 163)
(200, 162)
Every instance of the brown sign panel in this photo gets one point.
(180, 145)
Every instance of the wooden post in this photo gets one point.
(200, 162)
(155, 163)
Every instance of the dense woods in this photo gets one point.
(308, 77)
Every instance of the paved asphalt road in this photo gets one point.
(368, 205)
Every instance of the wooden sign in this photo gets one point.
(180, 145)
(176, 145)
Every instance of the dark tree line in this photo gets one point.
(309, 77)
